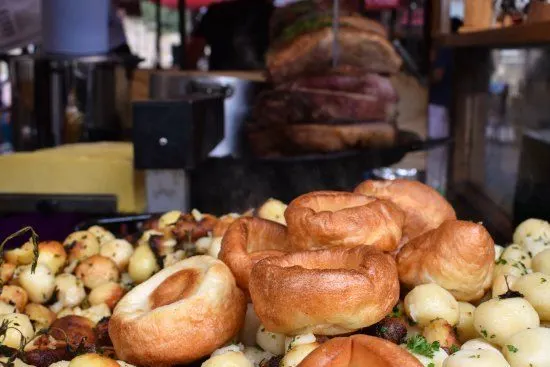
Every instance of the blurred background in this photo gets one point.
(120, 108)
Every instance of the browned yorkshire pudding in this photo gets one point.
(458, 255)
(329, 218)
(424, 207)
(248, 241)
(326, 292)
(359, 351)
(180, 314)
(223, 225)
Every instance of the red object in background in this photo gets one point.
(190, 4)
(381, 4)
(417, 17)
(196, 4)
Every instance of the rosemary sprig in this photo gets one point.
(4, 327)
(34, 241)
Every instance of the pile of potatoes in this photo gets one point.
(509, 326)
(89, 273)
(91, 270)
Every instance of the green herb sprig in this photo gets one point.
(5, 325)
(34, 241)
(419, 345)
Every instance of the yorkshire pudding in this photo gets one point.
(249, 240)
(330, 218)
(325, 292)
(180, 314)
(424, 207)
(359, 351)
(459, 256)
(223, 224)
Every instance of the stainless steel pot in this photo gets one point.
(238, 91)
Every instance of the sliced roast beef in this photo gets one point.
(354, 82)
(311, 53)
(327, 99)
(306, 138)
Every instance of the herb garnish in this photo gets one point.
(34, 242)
(419, 345)
(395, 312)
(512, 348)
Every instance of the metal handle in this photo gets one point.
(212, 88)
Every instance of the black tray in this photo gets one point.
(407, 142)
(222, 185)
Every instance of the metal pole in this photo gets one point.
(183, 33)
(158, 22)
(410, 9)
(428, 14)
(335, 31)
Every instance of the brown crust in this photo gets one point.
(424, 208)
(75, 330)
(364, 24)
(184, 331)
(393, 329)
(6, 272)
(334, 138)
(14, 295)
(326, 292)
(330, 218)
(176, 287)
(359, 350)
(248, 241)
(45, 350)
(311, 53)
(102, 333)
(187, 228)
(223, 225)
(458, 255)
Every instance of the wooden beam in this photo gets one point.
(524, 35)
(440, 11)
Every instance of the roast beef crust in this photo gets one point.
(311, 54)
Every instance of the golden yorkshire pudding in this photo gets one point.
(359, 351)
(424, 207)
(459, 256)
(223, 224)
(248, 241)
(330, 218)
(180, 314)
(326, 292)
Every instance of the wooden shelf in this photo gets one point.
(525, 35)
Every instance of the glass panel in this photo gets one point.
(516, 173)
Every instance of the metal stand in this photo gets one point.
(170, 139)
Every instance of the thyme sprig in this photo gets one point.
(34, 241)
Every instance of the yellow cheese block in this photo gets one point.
(84, 169)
